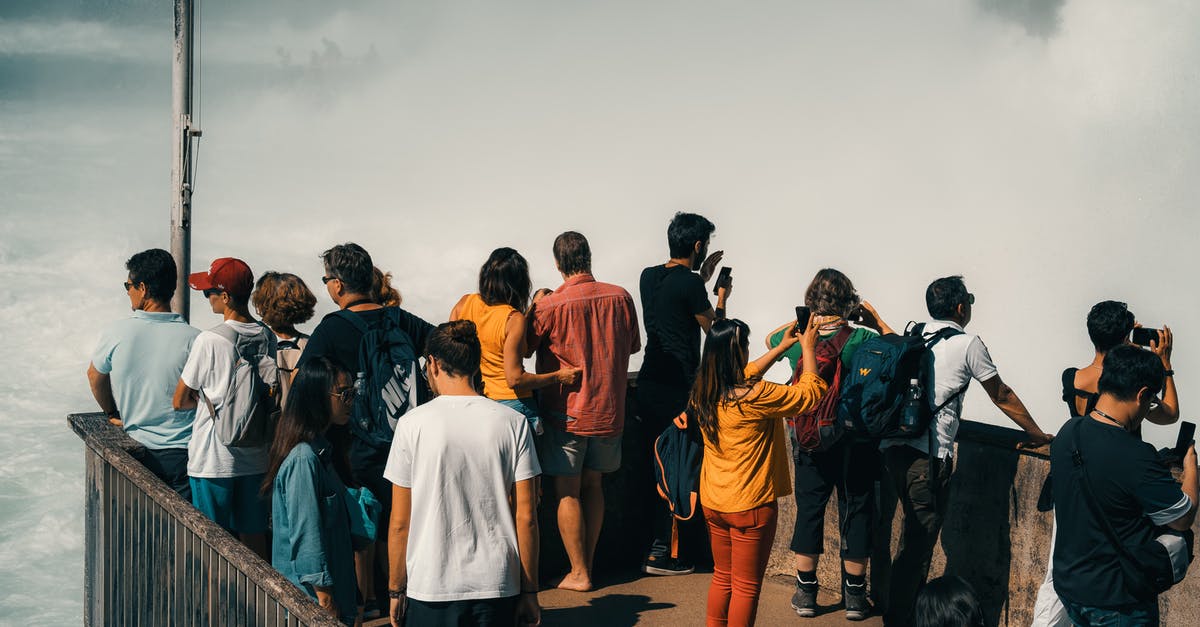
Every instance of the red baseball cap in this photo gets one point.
(226, 274)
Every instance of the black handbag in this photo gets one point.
(1148, 569)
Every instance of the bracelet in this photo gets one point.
(1169, 373)
(396, 594)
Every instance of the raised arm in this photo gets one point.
(1191, 487)
(808, 343)
(1167, 412)
(514, 368)
(1006, 400)
(871, 319)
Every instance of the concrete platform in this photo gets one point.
(672, 601)
(677, 602)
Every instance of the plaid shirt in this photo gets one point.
(590, 325)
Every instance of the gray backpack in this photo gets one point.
(247, 417)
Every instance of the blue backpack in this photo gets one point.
(389, 379)
(874, 397)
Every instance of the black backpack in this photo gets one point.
(875, 396)
(389, 380)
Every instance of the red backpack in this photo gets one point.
(819, 428)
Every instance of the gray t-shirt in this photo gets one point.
(460, 456)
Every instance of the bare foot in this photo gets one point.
(578, 583)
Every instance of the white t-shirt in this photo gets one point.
(956, 361)
(209, 369)
(461, 455)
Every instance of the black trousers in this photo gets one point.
(924, 493)
(473, 613)
(851, 467)
(657, 406)
(170, 465)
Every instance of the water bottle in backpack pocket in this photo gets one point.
(889, 391)
(389, 380)
(250, 408)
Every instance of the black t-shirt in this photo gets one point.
(338, 339)
(1134, 490)
(671, 299)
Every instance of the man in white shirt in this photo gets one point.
(225, 479)
(458, 553)
(922, 486)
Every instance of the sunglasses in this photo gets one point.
(346, 395)
(971, 299)
(129, 285)
(212, 291)
(327, 279)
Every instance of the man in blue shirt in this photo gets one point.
(137, 363)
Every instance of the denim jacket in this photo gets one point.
(311, 544)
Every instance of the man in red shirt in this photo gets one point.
(590, 325)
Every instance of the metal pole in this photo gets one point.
(181, 129)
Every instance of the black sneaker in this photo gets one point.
(804, 600)
(855, 598)
(666, 565)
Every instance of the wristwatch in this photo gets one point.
(396, 594)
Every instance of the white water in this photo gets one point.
(1051, 161)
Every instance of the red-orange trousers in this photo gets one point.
(741, 546)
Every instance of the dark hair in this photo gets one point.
(382, 290)
(944, 295)
(456, 347)
(572, 253)
(155, 268)
(504, 279)
(306, 414)
(1128, 369)
(947, 601)
(722, 368)
(685, 230)
(1108, 324)
(831, 294)
(351, 264)
(283, 300)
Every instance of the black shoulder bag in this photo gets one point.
(1148, 570)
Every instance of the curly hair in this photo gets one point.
(382, 291)
(283, 300)
(831, 294)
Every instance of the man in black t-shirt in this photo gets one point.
(1132, 489)
(349, 276)
(676, 310)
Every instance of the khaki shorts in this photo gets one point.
(565, 454)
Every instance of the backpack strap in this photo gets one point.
(1077, 459)
(354, 319)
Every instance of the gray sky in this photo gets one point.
(1045, 150)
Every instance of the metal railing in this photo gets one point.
(152, 559)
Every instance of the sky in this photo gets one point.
(1044, 150)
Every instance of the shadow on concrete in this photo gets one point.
(614, 610)
(976, 535)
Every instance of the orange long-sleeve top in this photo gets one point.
(748, 467)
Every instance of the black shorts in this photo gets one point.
(170, 465)
(851, 467)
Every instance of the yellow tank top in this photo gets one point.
(491, 322)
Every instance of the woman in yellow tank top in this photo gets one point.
(498, 311)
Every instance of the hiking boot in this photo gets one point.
(855, 599)
(666, 565)
(804, 600)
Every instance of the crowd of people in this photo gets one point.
(391, 466)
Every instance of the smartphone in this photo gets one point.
(722, 279)
(802, 315)
(1187, 433)
(1143, 336)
